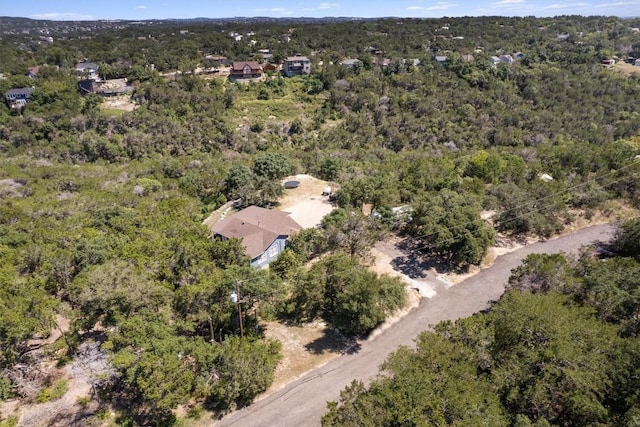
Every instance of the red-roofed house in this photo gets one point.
(264, 232)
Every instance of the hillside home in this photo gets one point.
(245, 70)
(271, 67)
(18, 97)
(442, 59)
(32, 72)
(351, 63)
(507, 59)
(111, 87)
(88, 69)
(223, 60)
(296, 65)
(264, 233)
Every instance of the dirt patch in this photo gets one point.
(306, 203)
(121, 102)
(626, 69)
(304, 348)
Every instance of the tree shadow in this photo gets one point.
(333, 342)
(416, 261)
(76, 417)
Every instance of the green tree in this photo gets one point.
(117, 289)
(627, 239)
(552, 358)
(350, 231)
(449, 225)
(272, 165)
(349, 297)
(435, 384)
(544, 273)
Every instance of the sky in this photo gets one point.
(181, 9)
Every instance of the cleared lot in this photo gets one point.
(306, 203)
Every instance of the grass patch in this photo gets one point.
(53, 392)
(110, 112)
(10, 421)
(287, 101)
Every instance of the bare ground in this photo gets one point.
(626, 69)
(306, 203)
(120, 102)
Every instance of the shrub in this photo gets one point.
(53, 392)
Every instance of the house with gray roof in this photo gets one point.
(296, 65)
(351, 63)
(88, 69)
(264, 233)
(18, 97)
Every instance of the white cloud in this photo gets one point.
(621, 3)
(63, 16)
(438, 6)
(328, 5)
(261, 10)
(507, 3)
(281, 11)
(142, 7)
(565, 5)
(441, 6)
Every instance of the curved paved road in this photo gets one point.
(302, 402)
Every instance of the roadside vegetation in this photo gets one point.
(101, 213)
(561, 347)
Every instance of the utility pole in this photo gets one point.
(235, 297)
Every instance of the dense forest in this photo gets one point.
(101, 215)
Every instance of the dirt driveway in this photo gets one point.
(306, 203)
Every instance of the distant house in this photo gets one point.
(507, 59)
(467, 57)
(19, 97)
(271, 67)
(637, 63)
(442, 59)
(351, 63)
(296, 65)
(264, 233)
(373, 50)
(32, 72)
(381, 62)
(88, 69)
(245, 70)
(104, 87)
(218, 58)
(266, 56)
(495, 60)
(609, 62)
(285, 38)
